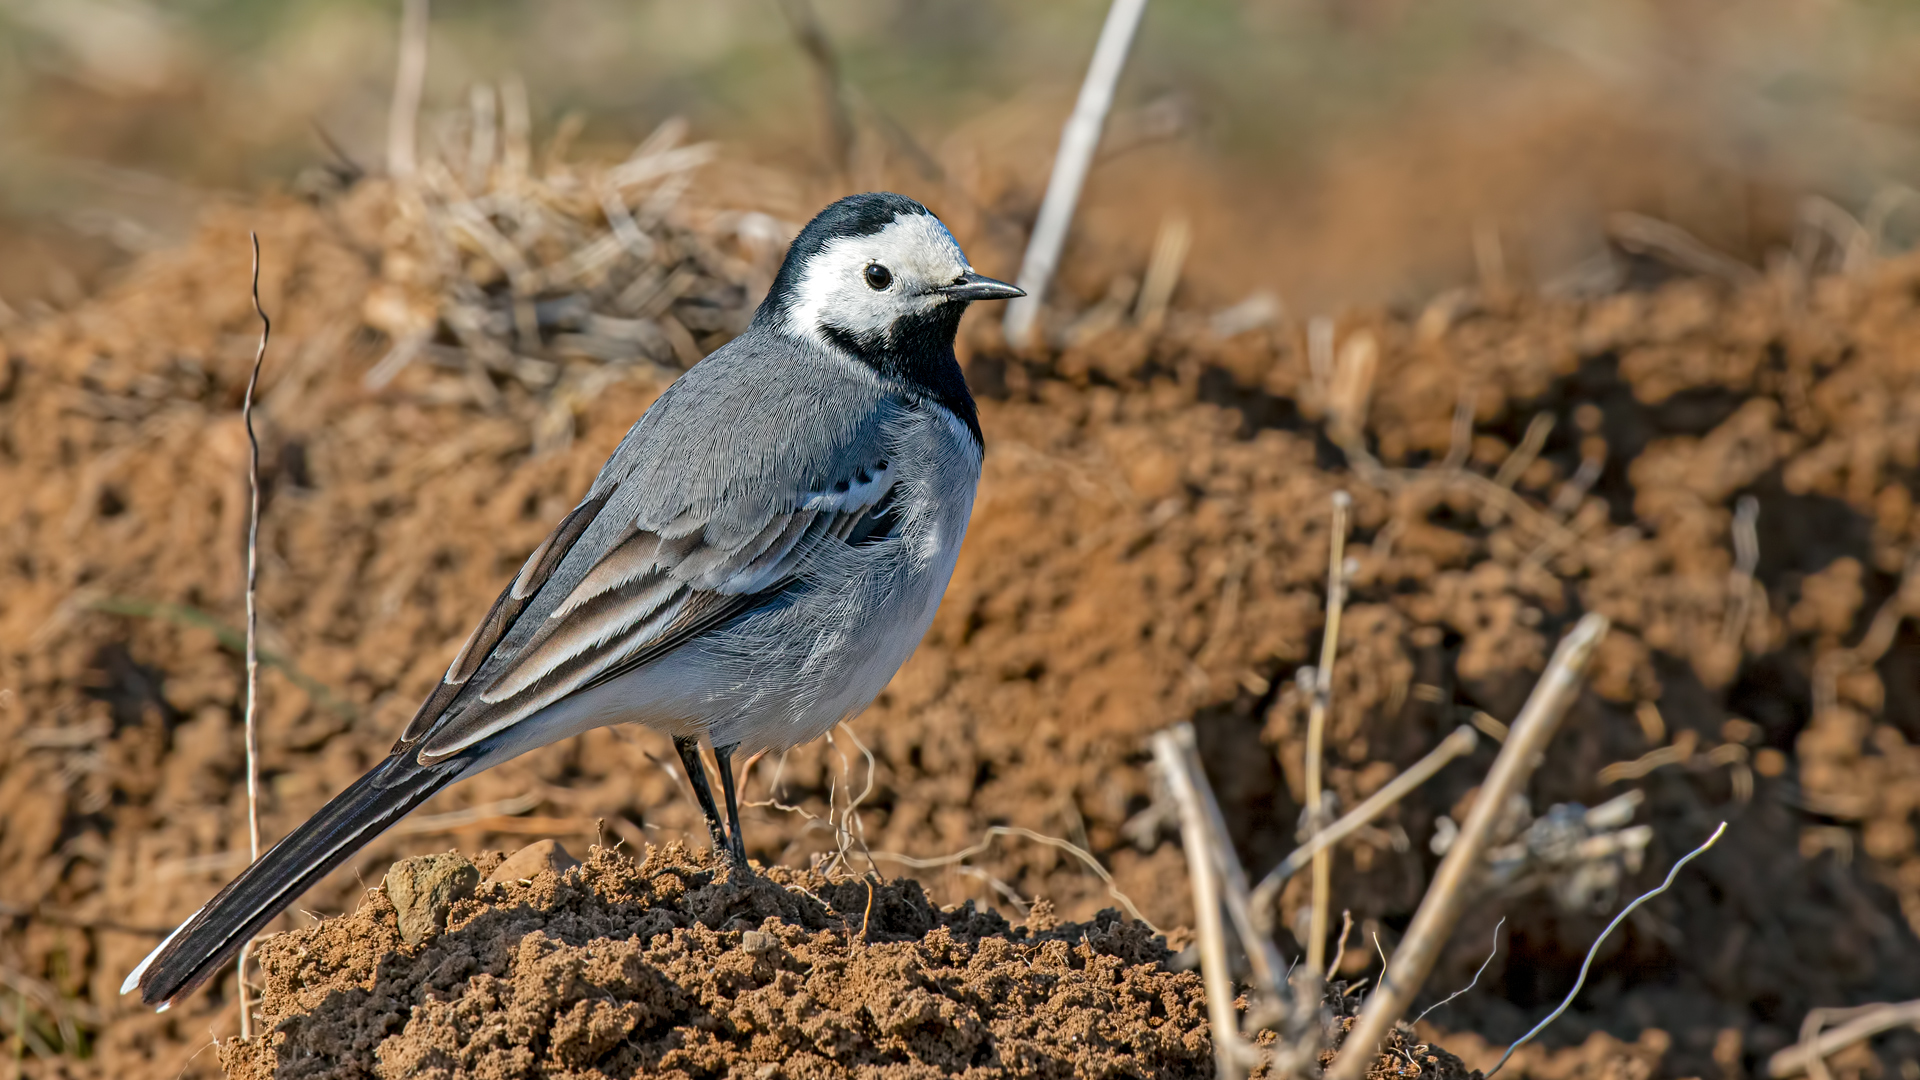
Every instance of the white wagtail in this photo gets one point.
(755, 561)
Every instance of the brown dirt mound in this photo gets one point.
(1148, 546)
(674, 967)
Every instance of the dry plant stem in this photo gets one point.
(1078, 140)
(1447, 896)
(986, 841)
(403, 113)
(1801, 1056)
(1340, 952)
(1461, 742)
(1317, 729)
(1475, 981)
(1586, 964)
(1174, 750)
(253, 620)
(1201, 868)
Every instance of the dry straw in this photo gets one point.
(1317, 727)
(253, 621)
(1078, 140)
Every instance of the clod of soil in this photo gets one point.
(674, 967)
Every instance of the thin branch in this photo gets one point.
(1868, 1021)
(1447, 896)
(1229, 1049)
(986, 841)
(1178, 757)
(1317, 728)
(1461, 742)
(1340, 954)
(1588, 962)
(403, 113)
(1476, 975)
(1078, 140)
(253, 619)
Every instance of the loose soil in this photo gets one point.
(1149, 546)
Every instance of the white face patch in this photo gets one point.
(834, 290)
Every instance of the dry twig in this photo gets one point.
(1078, 140)
(986, 841)
(1461, 742)
(1588, 962)
(1863, 1022)
(1317, 727)
(253, 620)
(403, 113)
(1482, 970)
(1230, 1051)
(1448, 894)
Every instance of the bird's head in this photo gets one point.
(877, 275)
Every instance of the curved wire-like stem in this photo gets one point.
(1484, 964)
(1588, 962)
(253, 621)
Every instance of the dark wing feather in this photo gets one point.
(500, 617)
(645, 595)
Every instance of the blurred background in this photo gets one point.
(1331, 151)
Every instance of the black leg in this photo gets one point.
(689, 750)
(738, 845)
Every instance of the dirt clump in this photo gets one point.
(674, 966)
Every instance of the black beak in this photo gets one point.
(972, 286)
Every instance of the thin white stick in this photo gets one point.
(1799, 1057)
(1448, 894)
(1078, 140)
(1317, 728)
(1178, 757)
(403, 113)
(253, 620)
(1201, 869)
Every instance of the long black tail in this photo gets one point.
(212, 937)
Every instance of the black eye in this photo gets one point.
(878, 277)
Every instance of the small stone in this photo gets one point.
(529, 861)
(758, 942)
(423, 890)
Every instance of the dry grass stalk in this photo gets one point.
(403, 112)
(1317, 728)
(1746, 559)
(1863, 1022)
(1191, 792)
(253, 621)
(1230, 1051)
(1210, 853)
(1594, 949)
(1449, 892)
(1461, 742)
(986, 841)
(1078, 140)
(1163, 272)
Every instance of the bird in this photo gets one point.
(761, 553)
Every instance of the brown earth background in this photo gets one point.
(1149, 546)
